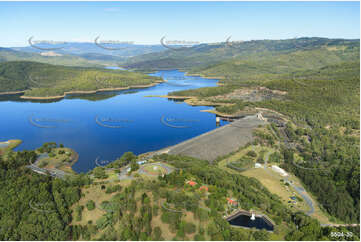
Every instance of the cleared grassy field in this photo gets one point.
(272, 181)
(95, 193)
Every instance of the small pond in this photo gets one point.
(243, 220)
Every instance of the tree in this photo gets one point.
(189, 228)
(251, 153)
(157, 233)
(99, 173)
(90, 205)
(134, 166)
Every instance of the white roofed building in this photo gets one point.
(279, 170)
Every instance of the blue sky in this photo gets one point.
(147, 22)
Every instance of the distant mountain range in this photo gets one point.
(92, 51)
(52, 57)
(249, 54)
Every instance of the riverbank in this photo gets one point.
(88, 92)
(194, 101)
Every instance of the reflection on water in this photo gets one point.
(246, 221)
(145, 133)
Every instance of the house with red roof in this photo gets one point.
(203, 188)
(232, 201)
(192, 183)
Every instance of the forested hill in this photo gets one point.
(7, 54)
(325, 105)
(42, 80)
(249, 53)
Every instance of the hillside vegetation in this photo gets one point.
(323, 105)
(43, 80)
(37, 207)
(251, 57)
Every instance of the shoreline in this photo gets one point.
(11, 93)
(80, 92)
(194, 101)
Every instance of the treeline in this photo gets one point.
(32, 206)
(41, 80)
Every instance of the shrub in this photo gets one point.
(90, 205)
(189, 228)
(251, 153)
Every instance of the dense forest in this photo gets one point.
(41, 80)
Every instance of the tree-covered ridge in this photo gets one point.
(209, 57)
(41, 80)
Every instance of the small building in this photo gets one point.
(257, 165)
(279, 170)
(192, 183)
(232, 201)
(141, 162)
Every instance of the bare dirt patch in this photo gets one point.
(253, 94)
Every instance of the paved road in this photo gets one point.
(300, 190)
(56, 173)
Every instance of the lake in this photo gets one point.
(107, 124)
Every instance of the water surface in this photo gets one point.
(106, 125)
